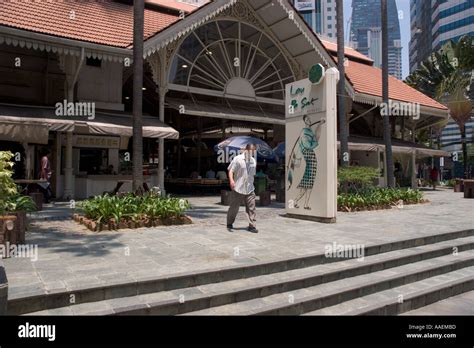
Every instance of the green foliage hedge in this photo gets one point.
(132, 207)
(356, 179)
(357, 191)
(377, 198)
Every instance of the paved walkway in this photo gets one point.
(457, 305)
(70, 256)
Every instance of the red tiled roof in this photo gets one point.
(348, 51)
(102, 22)
(368, 79)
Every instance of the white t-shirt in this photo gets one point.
(244, 172)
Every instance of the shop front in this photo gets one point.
(87, 157)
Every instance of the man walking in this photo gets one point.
(242, 170)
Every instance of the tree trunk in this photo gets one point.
(341, 91)
(138, 19)
(387, 134)
(465, 158)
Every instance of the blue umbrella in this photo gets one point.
(280, 151)
(264, 151)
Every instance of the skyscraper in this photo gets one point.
(435, 22)
(432, 24)
(366, 33)
(319, 14)
(420, 28)
(451, 20)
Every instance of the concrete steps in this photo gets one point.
(407, 297)
(309, 299)
(296, 286)
(38, 301)
(458, 305)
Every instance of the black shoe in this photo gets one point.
(252, 229)
(230, 228)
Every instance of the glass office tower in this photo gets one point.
(366, 33)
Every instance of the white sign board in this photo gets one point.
(305, 5)
(302, 97)
(311, 148)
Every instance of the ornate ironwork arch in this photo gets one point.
(232, 57)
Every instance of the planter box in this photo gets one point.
(38, 198)
(3, 289)
(20, 227)
(112, 226)
(468, 188)
(459, 185)
(16, 235)
(5, 230)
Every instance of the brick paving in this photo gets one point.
(71, 257)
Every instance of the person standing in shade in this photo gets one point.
(242, 170)
(45, 174)
(434, 177)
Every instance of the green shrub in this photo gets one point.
(377, 198)
(20, 203)
(357, 179)
(132, 207)
(450, 182)
(10, 199)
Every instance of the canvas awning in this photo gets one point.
(33, 124)
(398, 147)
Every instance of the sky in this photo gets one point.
(404, 6)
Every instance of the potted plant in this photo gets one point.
(13, 206)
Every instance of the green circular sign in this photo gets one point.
(316, 73)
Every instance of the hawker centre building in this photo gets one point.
(209, 72)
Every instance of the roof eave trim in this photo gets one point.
(187, 24)
(376, 100)
(38, 41)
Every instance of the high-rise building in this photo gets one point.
(435, 22)
(450, 139)
(432, 24)
(319, 14)
(451, 20)
(366, 33)
(420, 28)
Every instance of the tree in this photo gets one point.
(138, 20)
(341, 88)
(387, 133)
(446, 76)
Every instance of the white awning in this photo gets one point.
(398, 147)
(33, 124)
